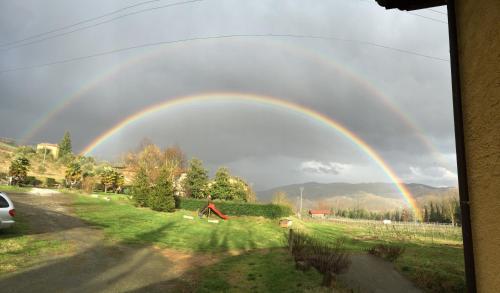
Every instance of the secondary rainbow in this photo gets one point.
(311, 55)
(268, 101)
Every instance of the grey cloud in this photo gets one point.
(241, 136)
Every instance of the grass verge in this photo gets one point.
(14, 188)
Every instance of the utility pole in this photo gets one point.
(300, 210)
(44, 153)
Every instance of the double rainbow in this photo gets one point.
(308, 54)
(270, 102)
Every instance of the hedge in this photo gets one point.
(271, 211)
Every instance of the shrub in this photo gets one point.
(31, 181)
(41, 169)
(327, 258)
(271, 211)
(389, 252)
(88, 184)
(50, 182)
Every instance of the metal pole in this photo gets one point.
(44, 153)
(301, 190)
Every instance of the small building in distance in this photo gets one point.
(319, 213)
(50, 147)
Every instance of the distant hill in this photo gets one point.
(372, 196)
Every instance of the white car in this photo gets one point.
(7, 211)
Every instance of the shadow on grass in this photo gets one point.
(99, 268)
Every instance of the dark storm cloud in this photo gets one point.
(286, 68)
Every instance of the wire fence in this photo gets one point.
(399, 230)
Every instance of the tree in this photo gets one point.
(281, 198)
(221, 187)
(175, 161)
(140, 188)
(196, 180)
(239, 189)
(18, 169)
(119, 183)
(162, 193)
(65, 147)
(74, 174)
(108, 177)
(251, 197)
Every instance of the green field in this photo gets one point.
(435, 265)
(124, 222)
(249, 249)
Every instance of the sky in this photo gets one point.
(337, 61)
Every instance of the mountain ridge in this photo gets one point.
(372, 196)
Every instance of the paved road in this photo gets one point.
(372, 274)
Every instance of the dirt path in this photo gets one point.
(94, 265)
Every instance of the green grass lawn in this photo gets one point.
(436, 266)
(259, 271)
(123, 222)
(19, 250)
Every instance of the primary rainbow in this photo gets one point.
(268, 101)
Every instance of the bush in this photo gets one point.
(50, 182)
(327, 258)
(88, 184)
(41, 169)
(271, 211)
(389, 252)
(31, 181)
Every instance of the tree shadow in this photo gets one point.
(101, 267)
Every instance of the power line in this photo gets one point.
(8, 47)
(440, 12)
(12, 45)
(77, 23)
(426, 17)
(296, 36)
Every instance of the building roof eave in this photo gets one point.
(410, 4)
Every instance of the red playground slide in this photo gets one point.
(215, 210)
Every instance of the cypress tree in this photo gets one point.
(162, 193)
(65, 147)
(196, 180)
(140, 188)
